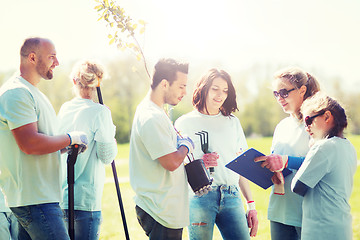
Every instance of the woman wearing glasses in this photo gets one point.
(289, 147)
(325, 178)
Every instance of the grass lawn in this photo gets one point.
(112, 226)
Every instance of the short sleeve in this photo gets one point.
(314, 168)
(18, 108)
(157, 137)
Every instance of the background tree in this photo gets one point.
(124, 29)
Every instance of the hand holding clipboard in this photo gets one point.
(245, 165)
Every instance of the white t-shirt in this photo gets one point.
(161, 193)
(27, 179)
(290, 138)
(95, 120)
(225, 136)
(328, 170)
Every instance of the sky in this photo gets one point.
(322, 35)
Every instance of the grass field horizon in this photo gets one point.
(112, 226)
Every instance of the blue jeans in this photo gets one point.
(154, 230)
(41, 222)
(8, 226)
(221, 206)
(86, 224)
(281, 231)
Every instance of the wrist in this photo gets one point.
(250, 205)
(186, 147)
(285, 160)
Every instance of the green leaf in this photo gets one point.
(112, 41)
(98, 7)
(110, 36)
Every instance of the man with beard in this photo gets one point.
(29, 153)
(157, 172)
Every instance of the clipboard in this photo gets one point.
(246, 167)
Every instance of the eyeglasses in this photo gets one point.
(309, 120)
(283, 92)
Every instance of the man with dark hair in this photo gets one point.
(157, 172)
(30, 174)
(166, 68)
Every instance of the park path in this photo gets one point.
(119, 164)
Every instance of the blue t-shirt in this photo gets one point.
(328, 171)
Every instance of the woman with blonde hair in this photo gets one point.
(291, 86)
(83, 113)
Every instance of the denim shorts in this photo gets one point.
(221, 206)
(86, 224)
(41, 222)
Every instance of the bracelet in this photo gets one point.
(250, 205)
(183, 145)
(287, 160)
(70, 139)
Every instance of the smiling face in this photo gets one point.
(216, 95)
(47, 60)
(292, 103)
(177, 90)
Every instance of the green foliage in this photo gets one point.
(126, 87)
(262, 114)
(123, 28)
(122, 92)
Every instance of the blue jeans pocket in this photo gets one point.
(23, 214)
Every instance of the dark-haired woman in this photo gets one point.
(214, 100)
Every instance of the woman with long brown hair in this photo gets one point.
(214, 100)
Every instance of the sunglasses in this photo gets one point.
(309, 120)
(283, 92)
